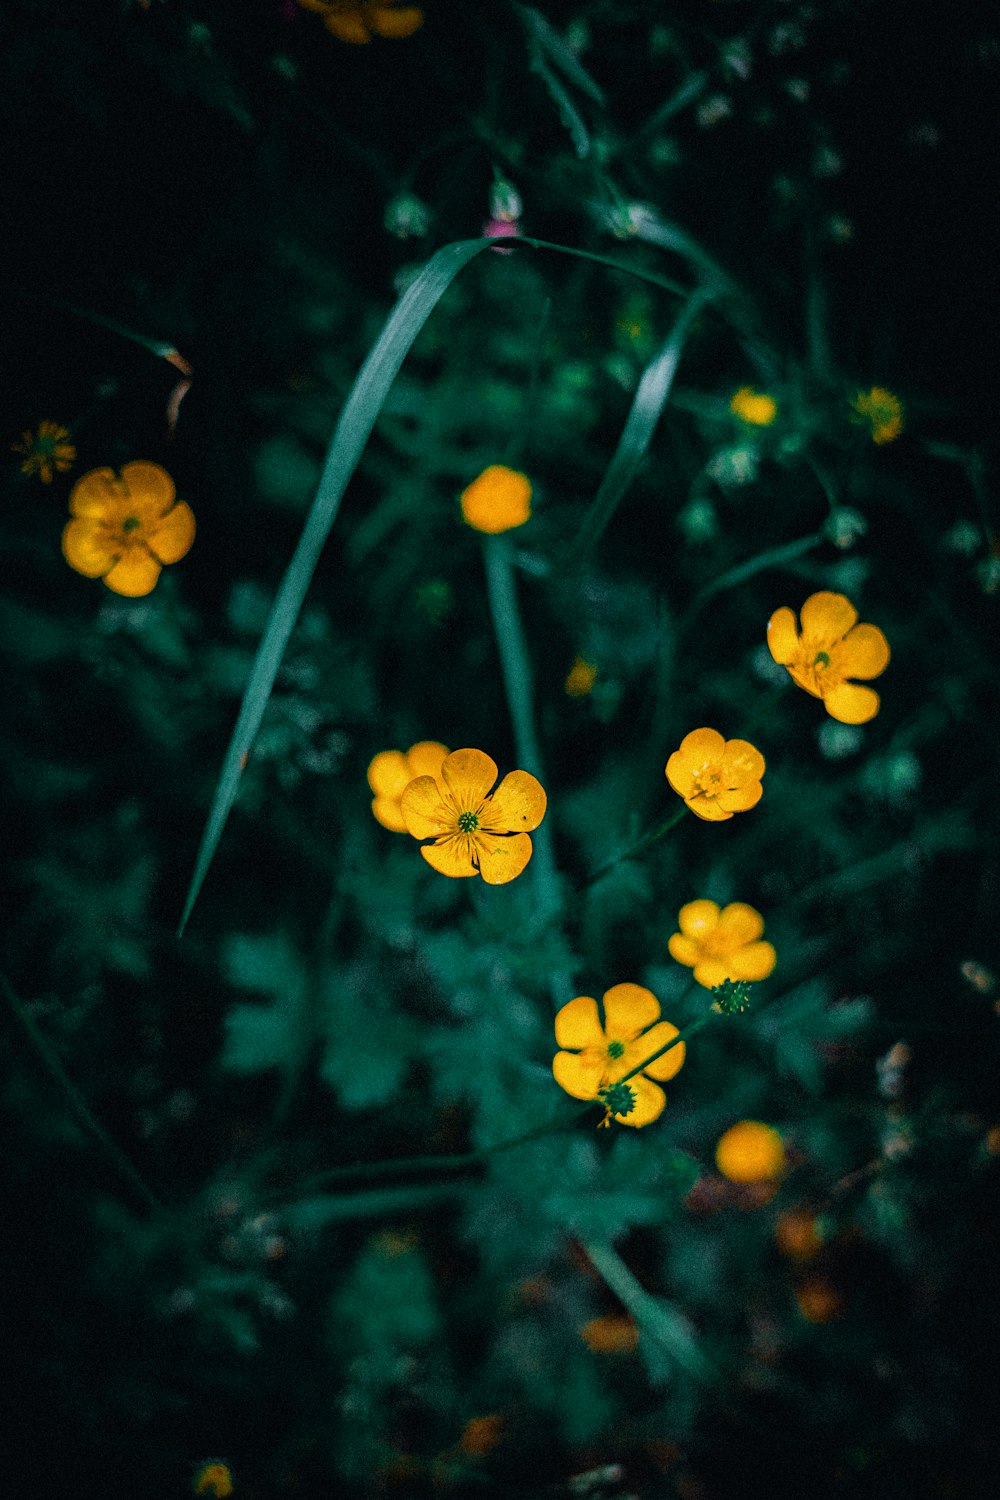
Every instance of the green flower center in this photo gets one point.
(616, 1049)
(619, 1098)
(131, 523)
(468, 822)
(821, 659)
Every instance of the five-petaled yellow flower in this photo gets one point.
(722, 944)
(474, 833)
(358, 21)
(602, 1055)
(754, 407)
(47, 451)
(391, 772)
(831, 648)
(498, 500)
(882, 411)
(716, 777)
(213, 1479)
(750, 1152)
(125, 529)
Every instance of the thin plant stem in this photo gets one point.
(638, 848)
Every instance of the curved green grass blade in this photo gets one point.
(352, 433)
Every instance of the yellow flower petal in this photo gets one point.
(579, 1073)
(710, 811)
(851, 703)
(742, 762)
(782, 635)
(423, 809)
(94, 492)
(452, 856)
(517, 805)
(468, 775)
(426, 758)
(712, 971)
(134, 574)
(389, 774)
(170, 539)
(502, 857)
(684, 949)
(498, 500)
(738, 924)
(578, 1024)
(387, 811)
(827, 617)
(651, 1041)
(752, 963)
(702, 745)
(698, 918)
(628, 1009)
(150, 485)
(86, 548)
(395, 22)
(649, 1102)
(348, 26)
(740, 799)
(865, 652)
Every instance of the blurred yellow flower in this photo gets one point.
(831, 648)
(580, 679)
(390, 773)
(750, 1152)
(797, 1234)
(722, 944)
(474, 833)
(358, 21)
(47, 451)
(818, 1301)
(498, 500)
(213, 1479)
(716, 777)
(481, 1435)
(882, 411)
(615, 1333)
(124, 530)
(753, 406)
(602, 1055)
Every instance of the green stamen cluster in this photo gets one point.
(468, 822)
(732, 997)
(619, 1098)
(616, 1049)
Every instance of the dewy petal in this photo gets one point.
(502, 857)
(579, 1073)
(865, 652)
(170, 539)
(651, 1041)
(450, 857)
(389, 775)
(740, 799)
(150, 486)
(578, 1024)
(851, 703)
(739, 924)
(827, 617)
(782, 635)
(386, 810)
(628, 1009)
(742, 762)
(94, 492)
(423, 808)
(468, 775)
(649, 1102)
(388, 20)
(698, 918)
(348, 26)
(752, 963)
(87, 548)
(684, 949)
(426, 758)
(517, 805)
(134, 574)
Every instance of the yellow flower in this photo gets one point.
(580, 679)
(498, 500)
(391, 772)
(46, 452)
(615, 1333)
(602, 1055)
(716, 777)
(797, 1234)
(750, 1152)
(753, 406)
(480, 1435)
(722, 945)
(830, 649)
(213, 1479)
(882, 411)
(124, 530)
(473, 832)
(358, 21)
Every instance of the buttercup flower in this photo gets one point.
(615, 1333)
(47, 451)
(754, 407)
(716, 777)
(602, 1055)
(580, 679)
(213, 1479)
(124, 530)
(498, 500)
(358, 21)
(830, 649)
(722, 945)
(750, 1152)
(390, 773)
(882, 411)
(474, 833)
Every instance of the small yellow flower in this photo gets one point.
(882, 411)
(818, 1301)
(480, 1435)
(474, 833)
(213, 1479)
(602, 1055)
(124, 530)
(358, 21)
(498, 500)
(615, 1333)
(580, 679)
(390, 773)
(754, 407)
(716, 777)
(722, 945)
(797, 1234)
(750, 1152)
(830, 648)
(47, 451)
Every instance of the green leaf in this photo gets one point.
(264, 1035)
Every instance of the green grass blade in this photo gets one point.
(352, 433)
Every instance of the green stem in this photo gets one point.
(682, 1036)
(775, 557)
(637, 848)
